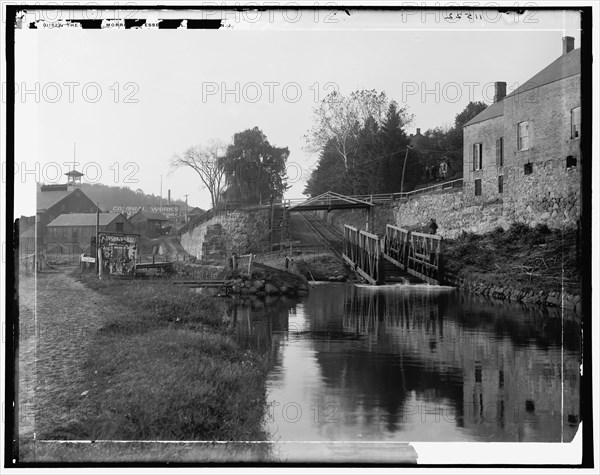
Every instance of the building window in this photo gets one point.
(500, 184)
(478, 187)
(119, 227)
(528, 168)
(571, 162)
(523, 136)
(477, 159)
(74, 234)
(576, 123)
(500, 152)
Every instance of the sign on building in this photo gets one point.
(170, 211)
(118, 253)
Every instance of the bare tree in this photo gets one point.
(338, 120)
(207, 162)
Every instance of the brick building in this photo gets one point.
(524, 149)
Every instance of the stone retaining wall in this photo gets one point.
(458, 211)
(569, 304)
(219, 237)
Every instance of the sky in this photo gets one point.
(132, 99)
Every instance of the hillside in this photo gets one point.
(110, 196)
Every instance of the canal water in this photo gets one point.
(366, 366)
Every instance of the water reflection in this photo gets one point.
(412, 363)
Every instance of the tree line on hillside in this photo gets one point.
(249, 170)
(111, 196)
(363, 146)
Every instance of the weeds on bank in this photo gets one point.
(322, 266)
(165, 368)
(529, 258)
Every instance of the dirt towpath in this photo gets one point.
(58, 317)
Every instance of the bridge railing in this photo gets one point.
(390, 197)
(419, 254)
(387, 197)
(351, 243)
(395, 245)
(369, 255)
(362, 250)
(424, 256)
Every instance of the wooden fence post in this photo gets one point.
(250, 260)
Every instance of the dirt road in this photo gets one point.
(57, 319)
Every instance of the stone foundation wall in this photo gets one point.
(219, 237)
(453, 212)
(553, 200)
(568, 305)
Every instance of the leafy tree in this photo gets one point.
(448, 143)
(338, 121)
(329, 175)
(472, 109)
(255, 170)
(394, 142)
(207, 162)
(364, 173)
(372, 151)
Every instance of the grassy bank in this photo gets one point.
(318, 266)
(521, 257)
(322, 267)
(164, 368)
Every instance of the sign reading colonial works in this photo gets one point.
(170, 211)
(118, 252)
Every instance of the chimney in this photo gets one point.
(499, 90)
(568, 44)
(418, 131)
(169, 197)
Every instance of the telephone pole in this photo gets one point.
(404, 168)
(186, 209)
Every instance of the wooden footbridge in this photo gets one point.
(377, 259)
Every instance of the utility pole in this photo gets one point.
(160, 191)
(404, 168)
(186, 209)
(98, 252)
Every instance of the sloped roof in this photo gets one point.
(494, 110)
(46, 199)
(84, 219)
(563, 67)
(418, 141)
